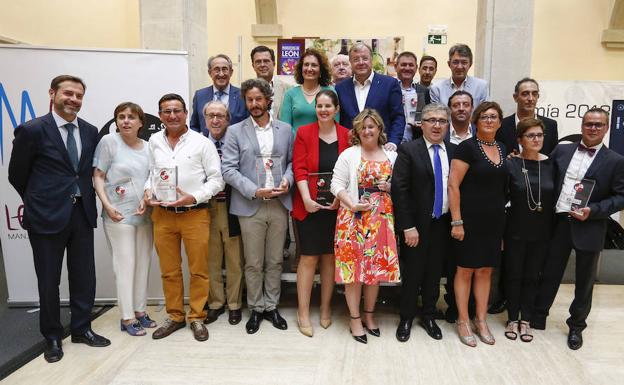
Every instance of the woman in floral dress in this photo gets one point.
(365, 245)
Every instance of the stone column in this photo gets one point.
(178, 25)
(504, 40)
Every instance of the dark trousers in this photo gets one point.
(586, 267)
(523, 264)
(421, 268)
(48, 252)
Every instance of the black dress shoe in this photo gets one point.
(431, 328)
(404, 330)
(235, 316)
(450, 315)
(276, 319)
(253, 324)
(91, 339)
(213, 314)
(53, 351)
(575, 339)
(498, 307)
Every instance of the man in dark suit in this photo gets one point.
(415, 96)
(581, 229)
(526, 94)
(419, 194)
(51, 170)
(220, 71)
(371, 90)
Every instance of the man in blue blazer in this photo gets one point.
(51, 169)
(220, 71)
(582, 229)
(371, 90)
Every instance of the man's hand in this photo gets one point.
(147, 198)
(411, 237)
(282, 188)
(185, 199)
(581, 214)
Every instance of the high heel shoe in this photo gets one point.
(305, 330)
(361, 339)
(373, 332)
(486, 338)
(325, 323)
(468, 340)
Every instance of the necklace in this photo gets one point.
(531, 202)
(491, 144)
(314, 92)
(500, 153)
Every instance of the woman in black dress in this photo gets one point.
(316, 149)
(477, 192)
(529, 225)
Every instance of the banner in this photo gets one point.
(111, 77)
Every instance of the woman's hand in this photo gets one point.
(112, 212)
(311, 206)
(141, 209)
(335, 204)
(457, 232)
(384, 186)
(411, 237)
(364, 205)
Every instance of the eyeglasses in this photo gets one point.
(218, 116)
(483, 118)
(176, 111)
(434, 121)
(534, 136)
(597, 126)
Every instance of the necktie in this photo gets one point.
(437, 176)
(219, 96)
(589, 151)
(218, 145)
(72, 149)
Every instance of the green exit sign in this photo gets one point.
(436, 39)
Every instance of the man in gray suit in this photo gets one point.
(257, 163)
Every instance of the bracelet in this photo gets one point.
(410, 229)
(458, 222)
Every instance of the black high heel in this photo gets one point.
(361, 339)
(373, 332)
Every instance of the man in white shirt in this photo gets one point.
(185, 217)
(415, 96)
(460, 104)
(257, 163)
(263, 62)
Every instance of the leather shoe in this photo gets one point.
(199, 331)
(253, 324)
(431, 328)
(404, 330)
(235, 316)
(498, 307)
(276, 319)
(53, 351)
(90, 338)
(575, 339)
(169, 327)
(213, 314)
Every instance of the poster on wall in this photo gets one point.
(385, 50)
(288, 53)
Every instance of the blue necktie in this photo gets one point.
(219, 96)
(437, 176)
(72, 149)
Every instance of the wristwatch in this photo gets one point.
(458, 222)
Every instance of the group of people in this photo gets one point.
(386, 180)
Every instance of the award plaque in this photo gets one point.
(164, 183)
(123, 196)
(582, 193)
(268, 171)
(322, 181)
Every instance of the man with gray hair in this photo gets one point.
(460, 61)
(340, 68)
(257, 163)
(220, 71)
(419, 183)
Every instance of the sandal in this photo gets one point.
(470, 339)
(511, 330)
(373, 332)
(487, 337)
(525, 331)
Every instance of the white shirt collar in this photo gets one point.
(225, 91)
(60, 122)
(429, 144)
(257, 126)
(461, 86)
(368, 80)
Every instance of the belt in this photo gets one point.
(184, 209)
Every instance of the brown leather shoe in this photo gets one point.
(200, 332)
(235, 316)
(169, 327)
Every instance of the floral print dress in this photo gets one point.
(365, 244)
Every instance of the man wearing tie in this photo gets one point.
(582, 229)
(220, 71)
(51, 170)
(419, 184)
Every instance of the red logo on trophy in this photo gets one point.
(578, 187)
(268, 164)
(120, 190)
(164, 175)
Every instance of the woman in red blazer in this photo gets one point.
(316, 150)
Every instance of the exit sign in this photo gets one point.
(436, 39)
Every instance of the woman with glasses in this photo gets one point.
(529, 225)
(477, 196)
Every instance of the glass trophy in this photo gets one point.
(164, 183)
(322, 180)
(582, 193)
(123, 196)
(268, 171)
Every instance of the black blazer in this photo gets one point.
(507, 134)
(42, 174)
(607, 198)
(413, 186)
